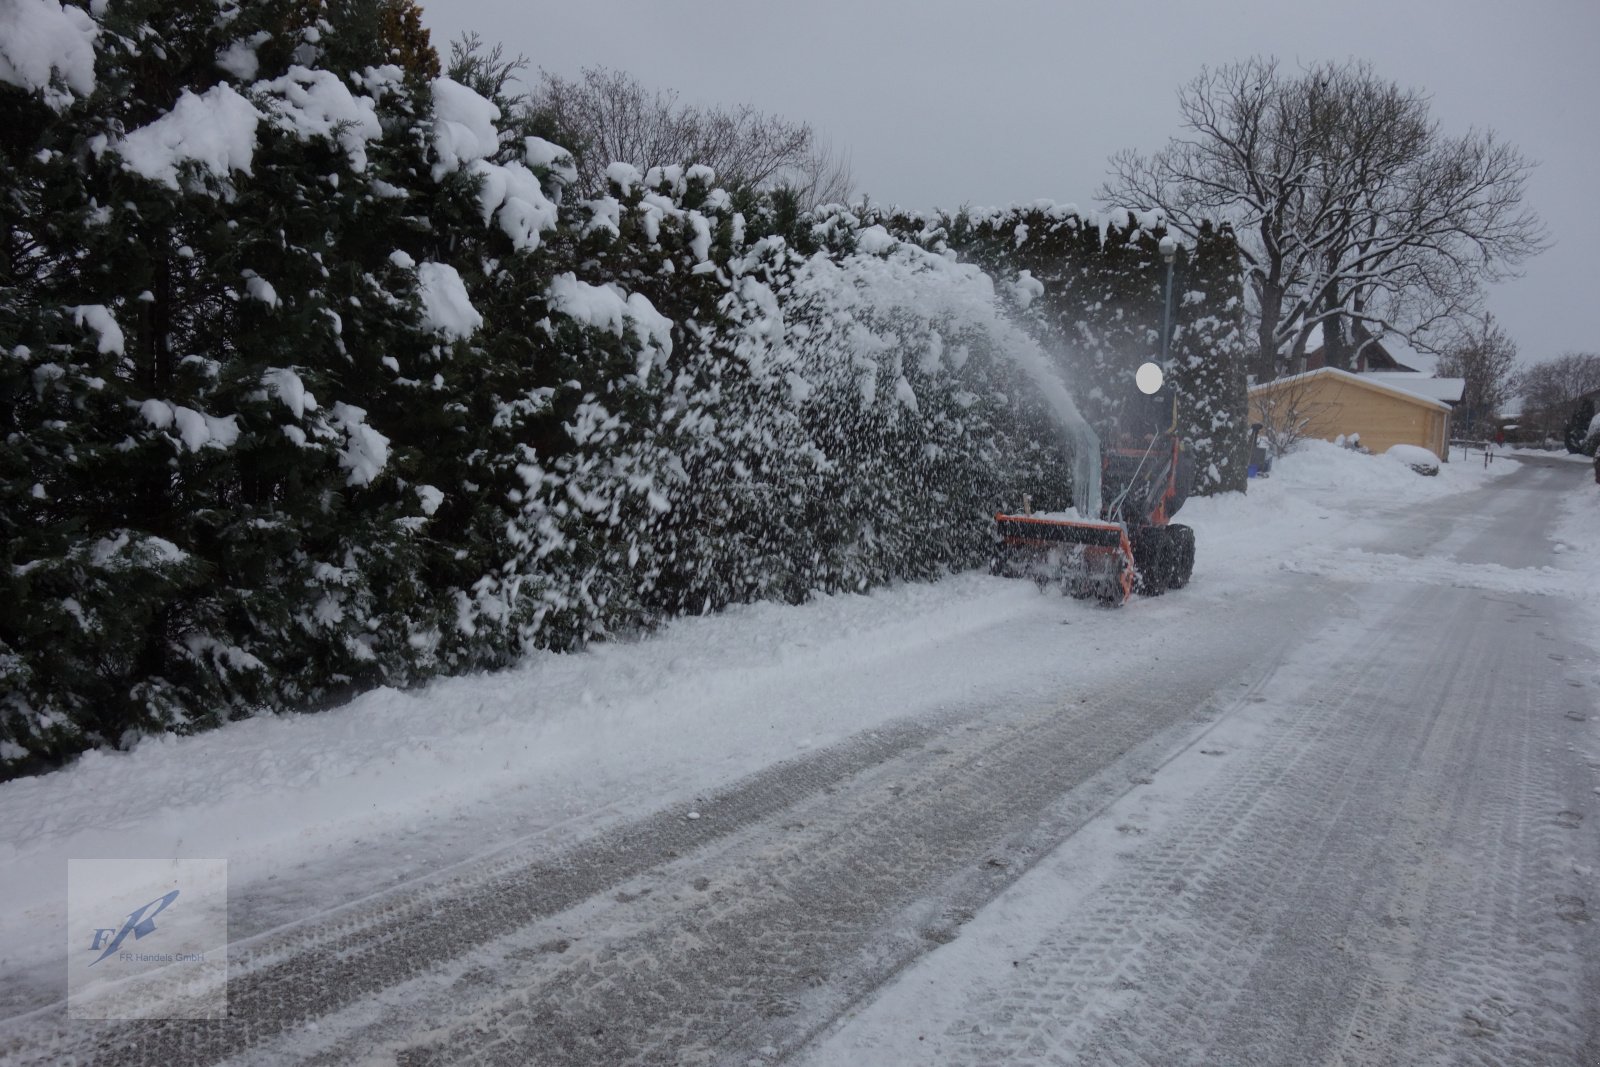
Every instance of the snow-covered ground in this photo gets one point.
(1560, 454)
(316, 811)
(1376, 857)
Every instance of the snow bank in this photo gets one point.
(1414, 457)
(1578, 536)
(1323, 466)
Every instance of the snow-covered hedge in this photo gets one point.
(1091, 289)
(315, 380)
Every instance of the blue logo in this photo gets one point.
(138, 924)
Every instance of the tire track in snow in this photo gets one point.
(785, 934)
(1186, 921)
(550, 957)
(1389, 879)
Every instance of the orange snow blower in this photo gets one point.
(1131, 545)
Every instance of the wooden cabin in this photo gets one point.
(1330, 403)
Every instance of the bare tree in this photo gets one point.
(1287, 414)
(824, 178)
(607, 116)
(1350, 204)
(1552, 390)
(1487, 359)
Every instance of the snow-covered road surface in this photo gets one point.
(1335, 802)
(1387, 854)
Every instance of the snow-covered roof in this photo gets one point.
(1369, 381)
(1399, 349)
(1404, 354)
(1449, 390)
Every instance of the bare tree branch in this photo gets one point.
(1351, 206)
(607, 116)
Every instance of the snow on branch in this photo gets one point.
(48, 48)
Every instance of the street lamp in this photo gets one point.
(1169, 255)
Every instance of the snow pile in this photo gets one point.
(258, 288)
(45, 46)
(239, 58)
(216, 130)
(1323, 465)
(287, 386)
(542, 155)
(1417, 458)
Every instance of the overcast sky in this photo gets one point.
(942, 104)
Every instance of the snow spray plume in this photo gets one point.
(1085, 442)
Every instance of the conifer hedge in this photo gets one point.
(313, 378)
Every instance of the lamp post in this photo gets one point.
(1169, 254)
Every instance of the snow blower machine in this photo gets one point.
(1128, 544)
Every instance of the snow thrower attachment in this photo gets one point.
(1088, 558)
(1128, 543)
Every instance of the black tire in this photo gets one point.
(1153, 560)
(1180, 541)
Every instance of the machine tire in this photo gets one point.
(1180, 543)
(1153, 559)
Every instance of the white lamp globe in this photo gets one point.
(1148, 378)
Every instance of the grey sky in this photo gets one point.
(942, 104)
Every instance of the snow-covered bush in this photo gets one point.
(317, 379)
(1591, 436)
(1091, 289)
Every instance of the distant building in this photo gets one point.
(1373, 355)
(1448, 390)
(1383, 409)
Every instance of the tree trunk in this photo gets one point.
(1265, 364)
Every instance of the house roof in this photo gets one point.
(1404, 353)
(1383, 352)
(1450, 390)
(1365, 381)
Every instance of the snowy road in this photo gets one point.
(1392, 859)
(1345, 811)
